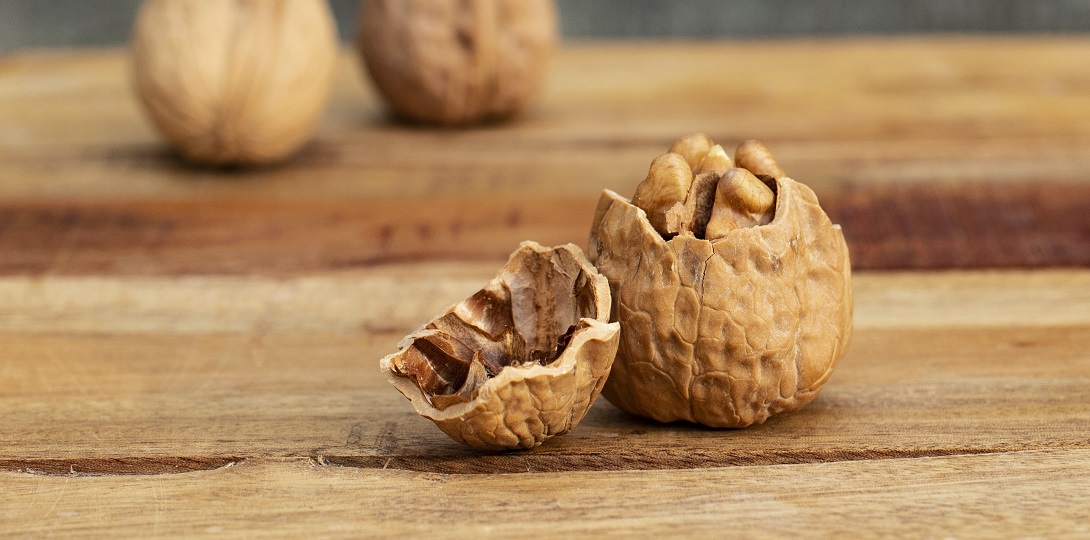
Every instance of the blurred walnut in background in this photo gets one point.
(239, 82)
(456, 62)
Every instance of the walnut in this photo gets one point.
(741, 311)
(518, 362)
(667, 184)
(240, 82)
(457, 62)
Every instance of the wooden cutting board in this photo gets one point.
(194, 351)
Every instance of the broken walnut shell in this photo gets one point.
(518, 362)
(728, 331)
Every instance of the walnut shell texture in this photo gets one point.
(725, 332)
(456, 62)
(235, 82)
(518, 362)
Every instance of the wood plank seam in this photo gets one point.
(488, 463)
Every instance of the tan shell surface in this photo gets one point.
(457, 62)
(241, 82)
(523, 406)
(727, 332)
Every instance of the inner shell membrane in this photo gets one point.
(526, 315)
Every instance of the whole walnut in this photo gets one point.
(235, 82)
(520, 361)
(731, 285)
(456, 62)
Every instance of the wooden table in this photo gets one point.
(192, 351)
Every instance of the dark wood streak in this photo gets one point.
(890, 227)
(630, 461)
(487, 463)
(262, 237)
(117, 466)
(924, 226)
(899, 393)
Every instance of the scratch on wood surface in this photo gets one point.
(355, 435)
(56, 501)
(158, 508)
(387, 441)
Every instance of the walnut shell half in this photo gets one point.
(518, 362)
(724, 332)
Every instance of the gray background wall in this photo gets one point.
(53, 23)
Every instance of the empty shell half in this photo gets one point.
(518, 362)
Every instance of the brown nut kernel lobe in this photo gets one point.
(728, 329)
(693, 148)
(741, 200)
(715, 161)
(757, 158)
(518, 362)
(667, 184)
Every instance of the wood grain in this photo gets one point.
(233, 236)
(1040, 493)
(394, 299)
(969, 226)
(195, 403)
(891, 227)
(162, 375)
(906, 149)
(835, 112)
(188, 351)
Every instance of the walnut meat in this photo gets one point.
(738, 310)
(518, 362)
(457, 62)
